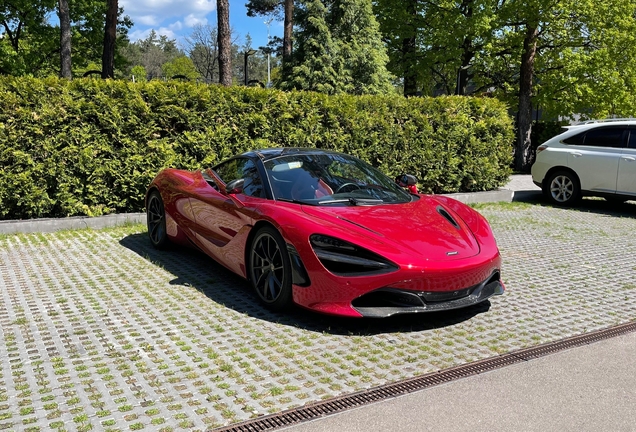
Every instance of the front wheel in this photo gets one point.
(270, 269)
(156, 220)
(562, 188)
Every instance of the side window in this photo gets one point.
(242, 168)
(605, 137)
(229, 170)
(632, 139)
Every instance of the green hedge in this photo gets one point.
(90, 147)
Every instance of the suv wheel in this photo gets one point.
(562, 188)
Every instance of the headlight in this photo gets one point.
(346, 259)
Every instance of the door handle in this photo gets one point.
(628, 158)
(576, 154)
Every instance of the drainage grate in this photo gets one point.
(342, 403)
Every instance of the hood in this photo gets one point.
(423, 227)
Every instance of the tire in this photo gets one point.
(270, 269)
(156, 221)
(563, 188)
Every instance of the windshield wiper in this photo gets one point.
(354, 201)
(295, 201)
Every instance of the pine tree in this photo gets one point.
(338, 50)
(357, 33)
(315, 64)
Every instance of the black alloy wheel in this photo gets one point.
(562, 188)
(156, 220)
(270, 269)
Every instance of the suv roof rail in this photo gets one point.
(609, 120)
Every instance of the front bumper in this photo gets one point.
(386, 302)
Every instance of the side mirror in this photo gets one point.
(235, 186)
(406, 180)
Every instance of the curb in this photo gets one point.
(69, 223)
(505, 195)
(80, 222)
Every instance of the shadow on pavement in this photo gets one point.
(527, 196)
(194, 270)
(588, 204)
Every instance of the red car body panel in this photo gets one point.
(432, 255)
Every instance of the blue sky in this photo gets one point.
(175, 19)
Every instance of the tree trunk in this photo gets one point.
(410, 75)
(409, 51)
(462, 73)
(110, 35)
(524, 124)
(466, 9)
(225, 42)
(65, 39)
(287, 30)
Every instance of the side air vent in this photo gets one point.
(441, 210)
(346, 259)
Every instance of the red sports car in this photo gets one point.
(328, 232)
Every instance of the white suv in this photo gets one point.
(596, 158)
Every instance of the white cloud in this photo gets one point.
(167, 9)
(175, 26)
(143, 34)
(148, 20)
(192, 20)
(136, 35)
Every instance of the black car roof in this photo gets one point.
(271, 153)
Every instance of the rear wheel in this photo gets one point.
(562, 188)
(156, 220)
(270, 269)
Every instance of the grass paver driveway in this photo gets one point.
(100, 331)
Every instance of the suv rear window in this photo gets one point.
(575, 139)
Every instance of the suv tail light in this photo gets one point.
(541, 148)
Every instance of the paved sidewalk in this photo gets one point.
(590, 388)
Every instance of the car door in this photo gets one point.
(627, 167)
(223, 221)
(595, 158)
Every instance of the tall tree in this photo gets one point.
(560, 55)
(434, 44)
(202, 48)
(524, 115)
(355, 30)
(181, 67)
(315, 64)
(338, 49)
(400, 24)
(29, 42)
(32, 44)
(277, 8)
(288, 28)
(110, 37)
(225, 42)
(152, 53)
(65, 39)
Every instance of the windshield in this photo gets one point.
(331, 179)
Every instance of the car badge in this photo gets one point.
(452, 253)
